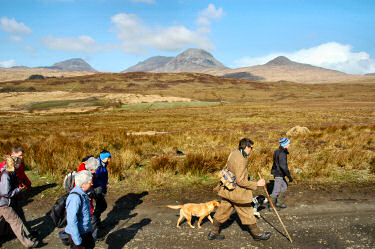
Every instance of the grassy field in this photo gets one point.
(340, 146)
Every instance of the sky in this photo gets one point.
(112, 35)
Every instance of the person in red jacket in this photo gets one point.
(24, 183)
(23, 180)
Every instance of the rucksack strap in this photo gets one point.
(80, 197)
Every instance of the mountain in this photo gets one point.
(148, 65)
(191, 60)
(283, 69)
(76, 64)
(284, 61)
(370, 74)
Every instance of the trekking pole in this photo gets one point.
(269, 199)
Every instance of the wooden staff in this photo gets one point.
(269, 199)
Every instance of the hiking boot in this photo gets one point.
(274, 201)
(212, 236)
(263, 236)
(257, 234)
(280, 201)
(36, 244)
(215, 231)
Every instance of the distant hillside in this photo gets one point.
(191, 60)
(149, 65)
(284, 61)
(242, 75)
(76, 64)
(370, 74)
(283, 69)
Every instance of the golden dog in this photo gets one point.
(200, 210)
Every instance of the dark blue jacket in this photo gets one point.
(101, 176)
(280, 163)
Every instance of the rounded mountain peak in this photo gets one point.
(280, 61)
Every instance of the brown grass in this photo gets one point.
(339, 147)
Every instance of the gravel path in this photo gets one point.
(314, 219)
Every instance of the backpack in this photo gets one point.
(68, 183)
(227, 179)
(58, 211)
(86, 158)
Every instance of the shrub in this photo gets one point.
(36, 77)
(199, 164)
(163, 163)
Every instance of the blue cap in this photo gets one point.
(105, 155)
(284, 141)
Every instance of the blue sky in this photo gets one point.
(112, 35)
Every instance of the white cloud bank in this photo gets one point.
(11, 26)
(206, 16)
(136, 37)
(330, 55)
(72, 44)
(8, 63)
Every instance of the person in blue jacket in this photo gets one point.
(100, 186)
(78, 213)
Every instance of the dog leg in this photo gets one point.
(180, 219)
(188, 217)
(257, 214)
(209, 217)
(200, 220)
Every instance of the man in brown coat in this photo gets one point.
(240, 197)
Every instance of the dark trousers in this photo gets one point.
(100, 206)
(87, 242)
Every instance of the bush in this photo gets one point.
(199, 164)
(36, 77)
(163, 163)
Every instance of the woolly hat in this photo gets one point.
(104, 155)
(284, 141)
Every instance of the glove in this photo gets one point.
(290, 179)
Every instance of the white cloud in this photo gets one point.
(208, 14)
(13, 27)
(330, 55)
(143, 1)
(8, 63)
(72, 44)
(136, 36)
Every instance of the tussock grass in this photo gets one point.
(339, 147)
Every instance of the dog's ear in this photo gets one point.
(261, 198)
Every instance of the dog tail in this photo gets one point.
(175, 207)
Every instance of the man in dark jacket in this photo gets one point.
(280, 171)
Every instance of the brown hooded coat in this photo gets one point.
(242, 193)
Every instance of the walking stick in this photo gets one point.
(269, 199)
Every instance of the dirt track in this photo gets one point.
(342, 218)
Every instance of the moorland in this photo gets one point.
(204, 123)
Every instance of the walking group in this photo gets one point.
(79, 211)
